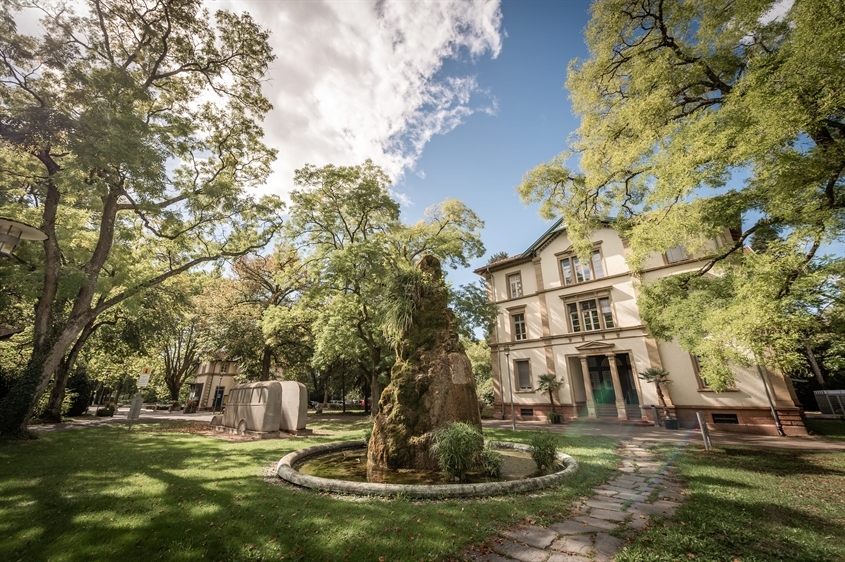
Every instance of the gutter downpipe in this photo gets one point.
(498, 351)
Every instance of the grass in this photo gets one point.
(751, 505)
(152, 494)
(831, 429)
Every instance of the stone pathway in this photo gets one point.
(599, 525)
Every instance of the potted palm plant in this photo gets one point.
(550, 383)
(660, 376)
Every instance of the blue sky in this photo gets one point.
(482, 161)
(454, 99)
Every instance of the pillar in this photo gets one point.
(588, 387)
(617, 387)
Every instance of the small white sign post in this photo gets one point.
(138, 401)
(144, 377)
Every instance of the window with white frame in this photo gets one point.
(573, 271)
(515, 285)
(587, 315)
(522, 368)
(676, 254)
(224, 367)
(519, 331)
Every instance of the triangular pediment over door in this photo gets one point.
(595, 346)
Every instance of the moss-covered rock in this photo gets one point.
(430, 383)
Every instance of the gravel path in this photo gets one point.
(600, 525)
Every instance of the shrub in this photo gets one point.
(106, 411)
(489, 461)
(457, 446)
(78, 392)
(368, 432)
(544, 450)
(7, 381)
(485, 392)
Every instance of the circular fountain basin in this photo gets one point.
(285, 470)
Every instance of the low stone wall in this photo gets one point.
(286, 471)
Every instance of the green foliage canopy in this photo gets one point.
(675, 99)
(357, 251)
(129, 134)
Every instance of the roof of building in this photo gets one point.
(531, 252)
(527, 255)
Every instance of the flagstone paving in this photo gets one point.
(599, 526)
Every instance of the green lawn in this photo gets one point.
(145, 494)
(831, 429)
(752, 505)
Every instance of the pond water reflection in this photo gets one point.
(351, 465)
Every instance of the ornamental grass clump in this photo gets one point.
(456, 446)
(459, 448)
(544, 450)
(489, 461)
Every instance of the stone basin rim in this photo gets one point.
(285, 471)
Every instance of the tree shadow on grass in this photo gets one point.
(111, 494)
(782, 462)
(720, 529)
(752, 505)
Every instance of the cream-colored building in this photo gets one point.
(212, 383)
(580, 322)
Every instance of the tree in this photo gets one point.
(497, 256)
(549, 383)
(353, 243)
(240, 313)
(473, 309)
(479, 355)
(659, 377)
(677, 98)
(129, 135)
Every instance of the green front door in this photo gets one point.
(601, 381)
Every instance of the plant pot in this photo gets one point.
(670, 423)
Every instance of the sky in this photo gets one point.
(454, 99)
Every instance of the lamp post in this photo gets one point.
(12, 232)
(510, 383)
(501, 378)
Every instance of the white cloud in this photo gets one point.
(402, 198)
(777, 12)
(358, 80)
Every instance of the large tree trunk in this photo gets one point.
(17, 407)
(47, 353)
(53, 411)
(814, 364)
(265, 363)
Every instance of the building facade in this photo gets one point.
(579, 321)
(212, 383)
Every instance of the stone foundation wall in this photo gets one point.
(540, 411)
(751, 420)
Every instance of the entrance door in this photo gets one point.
(602, 385)
(217, 405)
(629, 386)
